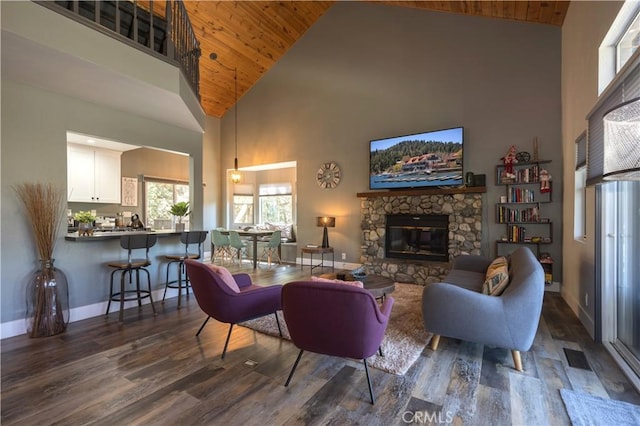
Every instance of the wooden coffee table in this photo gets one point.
(377, 285)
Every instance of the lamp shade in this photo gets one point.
(327, 221)
(622, 142)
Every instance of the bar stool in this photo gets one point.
(130, 243)
(186, 238)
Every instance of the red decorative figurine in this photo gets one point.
(545, 177)
(509, 160)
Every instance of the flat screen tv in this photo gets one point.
(429, 159)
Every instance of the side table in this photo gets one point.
(316, 250)
(377, 285)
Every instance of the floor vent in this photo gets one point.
(576, 359)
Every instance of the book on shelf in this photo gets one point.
(312, 245)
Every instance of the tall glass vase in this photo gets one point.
(47, 301)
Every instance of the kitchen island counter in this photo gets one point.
(112, 235)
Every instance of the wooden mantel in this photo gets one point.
(424, 191)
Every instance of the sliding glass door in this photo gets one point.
(621, 266)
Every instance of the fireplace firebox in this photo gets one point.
(417, 237)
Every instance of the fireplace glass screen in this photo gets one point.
(417, 237)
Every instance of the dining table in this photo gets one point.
(255, 236)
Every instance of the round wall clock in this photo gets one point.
(328, 175)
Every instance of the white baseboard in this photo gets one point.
(554, 287)
(18, 327)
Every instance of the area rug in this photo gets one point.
(404, 339)
(585, 409)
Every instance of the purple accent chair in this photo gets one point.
(334, 319)
(219, 301)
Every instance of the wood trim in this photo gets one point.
(424, 191)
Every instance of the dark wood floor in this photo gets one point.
(154, 371)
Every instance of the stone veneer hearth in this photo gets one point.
(465, 232)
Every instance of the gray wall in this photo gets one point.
(34, 126)
(33, 135)
(366, 71)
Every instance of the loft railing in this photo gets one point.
(160, 28)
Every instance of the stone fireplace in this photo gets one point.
(462, 209)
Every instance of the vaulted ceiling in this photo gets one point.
(251, 36)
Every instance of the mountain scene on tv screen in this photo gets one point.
(414, 163)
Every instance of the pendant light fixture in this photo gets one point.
(235, 174)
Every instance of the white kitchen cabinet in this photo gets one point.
(93, 175)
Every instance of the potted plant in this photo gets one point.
(85, 223)
(180, 210)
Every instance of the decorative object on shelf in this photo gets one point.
(547, 265)
(235, 174)
(48, 291)
(545, 177)
(468, 179)
(523, 157)
(535, 148)
(325, 222)
(85, 223)
(509, 160)
(180, 210)
(328, 175)
(119, 220)
(135, 223)
(479, 180)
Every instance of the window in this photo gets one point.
(159, 196)
(242, 205)
(628, 43)
(242, 209)
(619, 44)
(580, 185)
(276, 203)
(580, 207)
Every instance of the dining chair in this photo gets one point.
(220, 245)
(238, 247)
(272, 248)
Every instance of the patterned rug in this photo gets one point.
(585, 409)
(404, 339)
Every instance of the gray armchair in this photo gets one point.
(457, 308)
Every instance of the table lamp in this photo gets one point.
(325, 222)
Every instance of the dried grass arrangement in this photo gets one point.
(44, 204)
(48, 293)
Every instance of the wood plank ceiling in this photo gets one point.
(253, 35)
